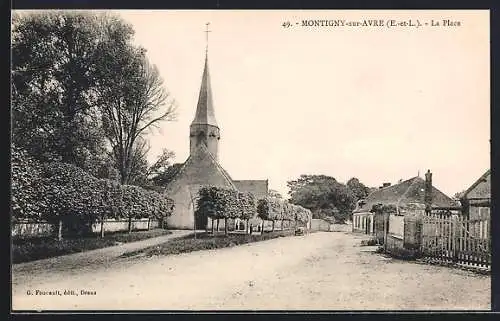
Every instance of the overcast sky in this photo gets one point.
(379, 103)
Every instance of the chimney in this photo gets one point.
(428, 191)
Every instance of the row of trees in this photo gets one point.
(277, 209)
(84, 94)
(64, 193)
(326, 197)
(223, 203)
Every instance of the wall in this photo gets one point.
(342, 227)
(478, 212)
(255, 223)
(378, 227)
(396, 225)
(321, 225)
(393, 243)
(122, 225)
(27, 230)
(200, 169)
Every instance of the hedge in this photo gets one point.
(302, 214)
(57, 191)
(247, 205)
(277, 209)
(270, 209)
(223, 203)
(218, 202)
(26, 186)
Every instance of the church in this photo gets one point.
(202, 167)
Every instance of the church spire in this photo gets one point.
(205, 114)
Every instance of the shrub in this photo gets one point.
(302, 215)
(370, 242)
(270, 209)
(57, 191)
(247, 206)
(218, 202)
(27, 201)
(403, 254)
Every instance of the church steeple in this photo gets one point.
(205, 110)
(204, 128)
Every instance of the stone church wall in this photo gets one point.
(200, 170)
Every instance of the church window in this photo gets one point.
(201, 138)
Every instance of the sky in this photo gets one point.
(376, 103)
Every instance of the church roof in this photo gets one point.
(205, 114)
(219, 166)
(202, 152)
(259, 188)
(404, 193)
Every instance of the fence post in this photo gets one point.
(385, 231)
(453, 228)
(419, 227)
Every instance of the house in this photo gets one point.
(409, 193)
(202, 167)
(476, 200)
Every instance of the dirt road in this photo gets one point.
(320, 271)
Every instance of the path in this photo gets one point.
(321, 271)
(88, 260)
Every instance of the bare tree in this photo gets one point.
(141, 103)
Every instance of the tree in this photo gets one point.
(163, 178)
(139, 102)
(162, 163)
(458, 195)
(274, 193)
(161, 172)
(248, 208)
(359, 190)
(54, 63)
(323, 195)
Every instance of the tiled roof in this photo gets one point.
(404, 193)
(257, 187)
(485, 190)
(202, 149)
(219, 167)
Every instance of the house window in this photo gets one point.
(484, 212)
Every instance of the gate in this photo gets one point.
(453, 239)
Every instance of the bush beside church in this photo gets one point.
(218, 203)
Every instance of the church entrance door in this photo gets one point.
(200, 221)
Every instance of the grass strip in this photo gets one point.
(26, 250)
(204, 241)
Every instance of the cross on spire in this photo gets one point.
(207, 31)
